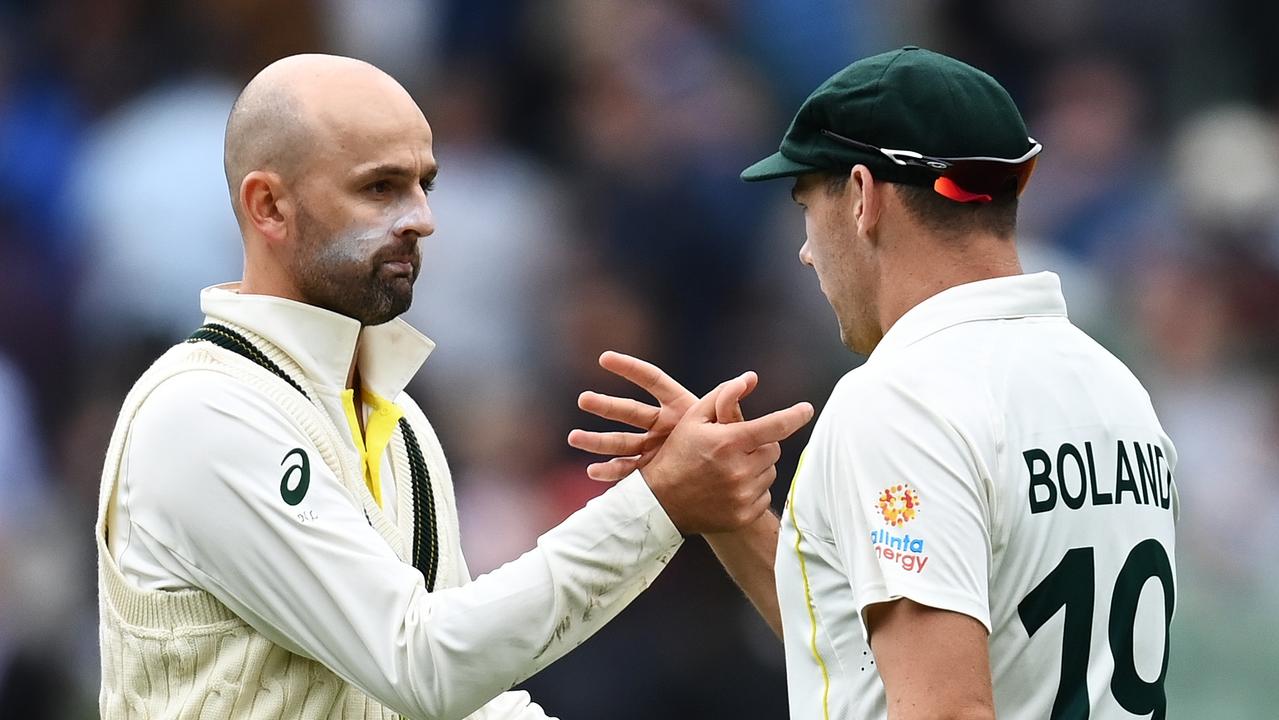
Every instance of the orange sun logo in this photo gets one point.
(898, 504)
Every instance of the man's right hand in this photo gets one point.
(713, 477)
(709, 477)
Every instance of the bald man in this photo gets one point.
(277, 533)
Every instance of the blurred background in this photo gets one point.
(588, 199)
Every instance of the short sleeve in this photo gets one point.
(909, 503)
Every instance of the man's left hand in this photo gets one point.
(633, 450)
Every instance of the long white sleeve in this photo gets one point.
(203, 484)
(513, 705)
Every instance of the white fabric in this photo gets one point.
(198, 505)
(949, 416)
(323, 344)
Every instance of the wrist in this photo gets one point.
(655, 479)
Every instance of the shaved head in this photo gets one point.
(272, 125)
(328, 161)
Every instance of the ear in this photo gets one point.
(266, 204)
(867, 198)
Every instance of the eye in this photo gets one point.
(380, 187)
(428, 186)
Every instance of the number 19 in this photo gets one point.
(1071, 585)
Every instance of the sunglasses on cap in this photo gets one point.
(962, 179)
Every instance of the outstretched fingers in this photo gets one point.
(623, 410)
(613, 469)
(644, 374)
(609, 443)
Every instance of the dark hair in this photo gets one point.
(939, 213)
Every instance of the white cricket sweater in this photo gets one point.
(241, 593)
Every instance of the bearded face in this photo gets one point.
(362, 271)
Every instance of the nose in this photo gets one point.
(805, 256)
(417, 220)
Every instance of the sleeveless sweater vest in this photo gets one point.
(184, 654)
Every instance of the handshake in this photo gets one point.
(710, 468)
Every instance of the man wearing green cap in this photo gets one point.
(982, 522)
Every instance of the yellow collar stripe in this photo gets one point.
(383, 417)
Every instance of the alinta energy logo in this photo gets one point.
(899, 504)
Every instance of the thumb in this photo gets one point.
(705, 409)
(752, 381)
(728, 407)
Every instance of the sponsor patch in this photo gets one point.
(898, 505)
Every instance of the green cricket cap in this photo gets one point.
(908, 99)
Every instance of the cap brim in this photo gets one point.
(776, 166)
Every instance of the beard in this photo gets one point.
(362, 273)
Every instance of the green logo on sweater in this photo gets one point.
(302, 467)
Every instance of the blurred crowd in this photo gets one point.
(588, 199)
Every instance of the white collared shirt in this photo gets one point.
(992, 460)
(197, 506)
(323, 344)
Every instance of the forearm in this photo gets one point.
(444, 654)
(749, 555)
(509, 624)
(934, 709)
(318, 580)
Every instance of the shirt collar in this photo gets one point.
(1015, 296)
(323, 342)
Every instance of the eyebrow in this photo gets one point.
(396, 171)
